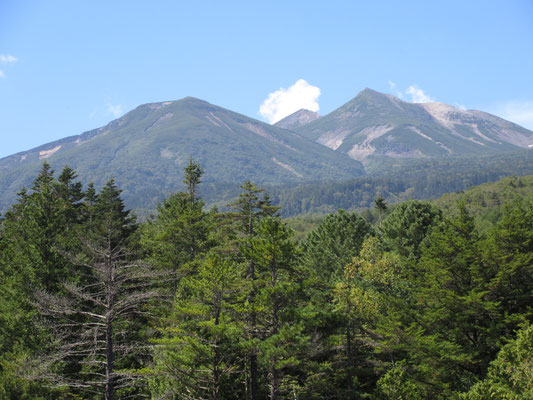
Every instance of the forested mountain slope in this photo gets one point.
(400, 180)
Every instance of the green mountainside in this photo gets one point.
(486, 202)
(146, 149)
(377, 124)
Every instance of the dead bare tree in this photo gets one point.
(90, 320)
(93, 317)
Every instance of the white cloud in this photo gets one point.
(519, 112)
(116, 110)
(284, 102)
(4, 60)
(418, 95)
(394, 90)
(7, 58)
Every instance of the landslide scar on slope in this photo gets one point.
(48, 153)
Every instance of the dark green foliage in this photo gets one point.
(200, 354)
(177, 236)
(113, 222)
(278, 297)
(509, 257)
(193, 173)
(333, 243)
(250, 208)
(458, 314)
(509, 375)
(381, 208)
(404, 229)
(35, 233)
(331, 369)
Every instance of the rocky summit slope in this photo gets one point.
(146, 150)
(297, 119)
(377, 124)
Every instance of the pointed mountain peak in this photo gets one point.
(193, 100)
(368, 91)
(297, 119)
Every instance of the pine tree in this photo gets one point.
(404, 229)
(325, 253)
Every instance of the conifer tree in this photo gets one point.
(199, 353)
(35, 232)
(404, 229)
(381, 208)
(249, 210)
(325, 253)
(509, 375)
(278, 295)
(181, 231)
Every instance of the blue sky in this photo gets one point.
(71, 66)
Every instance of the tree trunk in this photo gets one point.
(349, 353)
(109, 387)
(274, 384)
(109, 378)
(254, 385)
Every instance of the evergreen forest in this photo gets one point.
(416, 300)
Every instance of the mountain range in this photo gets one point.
(377, 124)
(146, 149)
